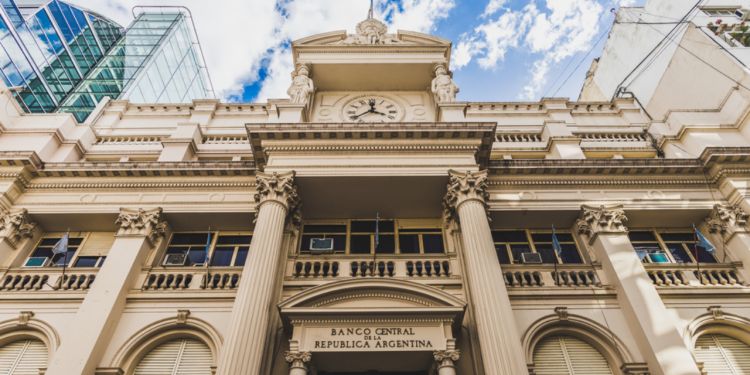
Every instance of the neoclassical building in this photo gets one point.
(372, 224)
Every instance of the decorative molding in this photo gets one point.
(297, 359)
(634, 368)
(277, 187)
(562, 312)
(716, 312)
(182, 316)
(462, 187)
(600, 220)
(726, 220)
(141, 185)
(446, 355)
(16, 225)
(141, 222)
(24, 317)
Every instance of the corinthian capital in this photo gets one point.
(141, 222)
(462, 187)
(15, 225)
(603, 219)
(727, 220)
(278, 187)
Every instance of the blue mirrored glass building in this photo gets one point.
(60, 58)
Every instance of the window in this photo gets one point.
(510, 244)
(225, 250)
(177, 357)
(358, 237)
(722, 354)
(89, 261)
(567, 355)
(668, 247)
(23, 357)
(721, 12)
(42, 255)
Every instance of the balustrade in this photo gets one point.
(46, 279)
(390, 267)
(680, 275)
(524, 276)
(191, 278)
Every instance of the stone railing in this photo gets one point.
(344, 267)
(613, 137)
(680, 275)
(181, 278)
(225, 139)
(519, 137)
(47, 279)
(129, 140)
(568, 275)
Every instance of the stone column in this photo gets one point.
(15, 227)
(297, 362)
(730, 223)
(651, 324)
(86, 336)
(466, 201)
(445, 360)
(243, 350)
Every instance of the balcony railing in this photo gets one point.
(47, 279)
(568, 275)
(681, 275)
(185, 278)
(311, 268)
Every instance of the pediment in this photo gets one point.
(367, 294)
(340, 38)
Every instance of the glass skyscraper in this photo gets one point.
(58, 57)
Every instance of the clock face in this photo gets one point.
(372, 109)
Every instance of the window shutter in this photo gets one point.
(723, 355)
(177, 357)
(97, 244)
(24, 357)
(559, 355)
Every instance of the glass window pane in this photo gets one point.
(509, 236)
(360, 244)
(502, 254)
(547, 253)
(570, 254)
(517, 250)
(678, 253)
(642, 236)
(433, 243)
(222, 256)
(86, 262)
(242, 251)
(387, 244)
(408, 243)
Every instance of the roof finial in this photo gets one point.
(369, 14)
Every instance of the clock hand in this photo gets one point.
(360, 115)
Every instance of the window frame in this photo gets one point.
(528, 233)
(58, 235)
(211, 249)
(665, 249)
(425, 229)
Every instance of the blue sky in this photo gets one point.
(504, 50)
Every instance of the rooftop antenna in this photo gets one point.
(369, 13)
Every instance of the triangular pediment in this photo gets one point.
(401, 38)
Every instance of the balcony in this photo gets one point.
(191, 278)
(566, 276)
(685, 275)
(314, 268)
(47, 279)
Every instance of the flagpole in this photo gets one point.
(65, 259)
(208, 259)
(377, 243)
(554, 251)
(695, 254)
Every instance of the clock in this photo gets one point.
(372, 108)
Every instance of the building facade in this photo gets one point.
(372, 224)
(60, 58)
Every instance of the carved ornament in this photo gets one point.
(297, 359)
(727, 220)
(602, 219)
(371, 32)
(464, 186)
(277, 187)
(441, 356)
(141, 222)
(16, 225)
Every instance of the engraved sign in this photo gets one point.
(373, 339)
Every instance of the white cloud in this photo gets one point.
(492, 7)
(558, 31)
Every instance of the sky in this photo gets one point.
(503, 50)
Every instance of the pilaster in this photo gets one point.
(651, 324)
(276, 198)
(730, 224)
(466, 200)
(85, 338)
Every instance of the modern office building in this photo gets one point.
(373, 224)
(58, 57)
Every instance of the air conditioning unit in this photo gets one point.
(36, 262)
(175, 259)
(743, 14)
(321, 245)
(531, 258)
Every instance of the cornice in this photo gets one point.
(147, 169)
(367, 148)
(140, 185)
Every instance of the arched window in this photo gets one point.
(23, 357)
(722, 354)
(559, 355)
(177, 357)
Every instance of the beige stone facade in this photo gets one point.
(374, 225)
